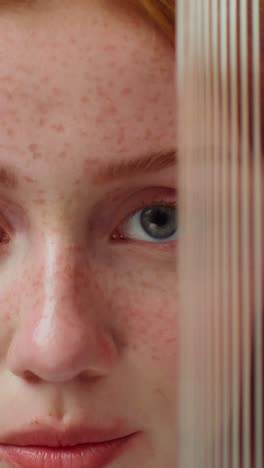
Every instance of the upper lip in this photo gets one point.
(47, 436)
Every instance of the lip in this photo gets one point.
(74, 447)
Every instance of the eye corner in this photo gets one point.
(117, 236)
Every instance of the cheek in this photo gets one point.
(138, 306)
(152, 326)
(142, 297)
(19, 287)
(8, 314)
(149, 317)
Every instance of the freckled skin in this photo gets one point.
(89, 324)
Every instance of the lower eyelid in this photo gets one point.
(169, 248)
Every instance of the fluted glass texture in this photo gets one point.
(219, 74)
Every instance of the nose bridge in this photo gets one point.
(63, 273)
(60, 336)
(63, 286)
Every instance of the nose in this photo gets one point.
(62, 331)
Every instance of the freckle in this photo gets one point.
(45, 79)
(10, 132)
(42, 108)
(29, 179)
(107, 138)
(121, 136)
(62, 155)
(110, 47)
(126, 91)
(16, 119)
(110, 111)
(41, 122)
(40, 191)
(7, 78)
(99, 120)
(155, 357)
(56, 91)
(24, 69)
(9, 113)
(39, 201)
(59, 128)
(90, 164)
(24, 94)
(85, 99)
(34, 149)
(148, 134)
(8, 95)
(170, 340)
(154, 99)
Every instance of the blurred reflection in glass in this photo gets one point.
(220, 133)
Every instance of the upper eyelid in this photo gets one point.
(122, 224)
(151, 204)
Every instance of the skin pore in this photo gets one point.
(87, 299)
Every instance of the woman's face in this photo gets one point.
(88, 288)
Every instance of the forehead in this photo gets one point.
(83, 70)
(89, 32)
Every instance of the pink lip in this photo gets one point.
(76, 447)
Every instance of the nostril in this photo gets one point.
(30, 377)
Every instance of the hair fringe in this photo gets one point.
(162, 13)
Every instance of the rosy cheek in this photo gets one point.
(149, 321)
(17, 285)
(8, 315)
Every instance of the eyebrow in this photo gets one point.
(148, 163)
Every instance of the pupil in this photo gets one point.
(159, 221)
(159, 218)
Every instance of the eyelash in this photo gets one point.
(5, 236)
(119, 237)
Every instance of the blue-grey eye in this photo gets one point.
(157, 223)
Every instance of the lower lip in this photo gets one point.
(86, 455)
